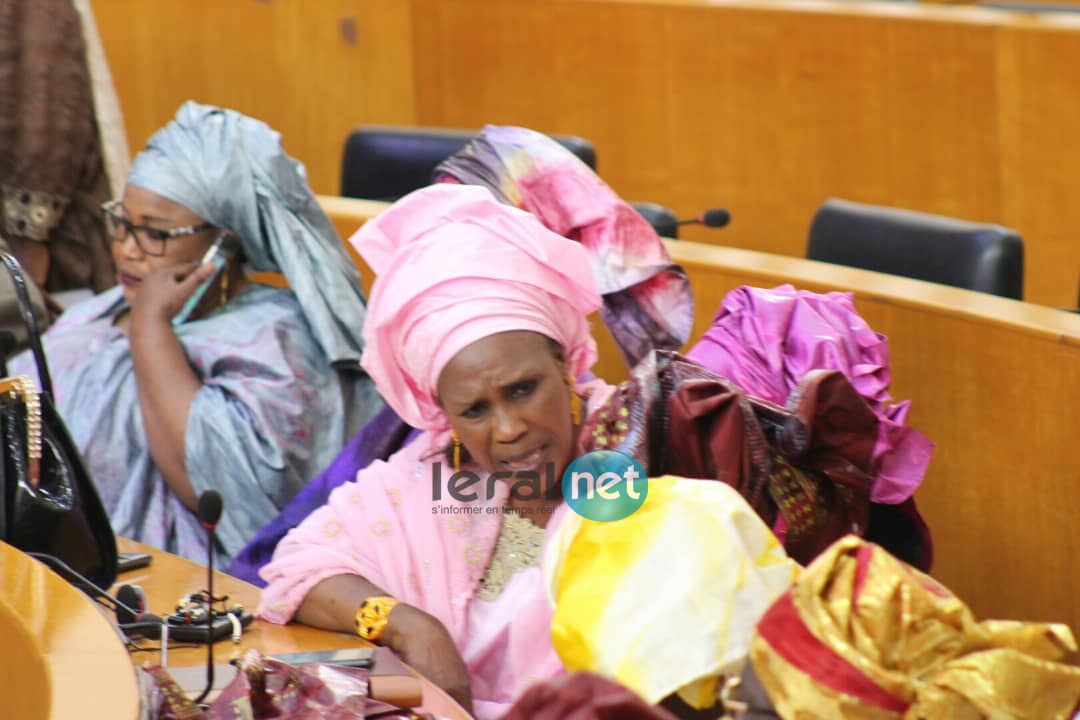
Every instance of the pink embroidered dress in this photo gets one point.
(387, 527)
(452, 266)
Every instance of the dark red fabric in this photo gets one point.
(710, 430)
(583, 696)
(804, 468)
(862, 566)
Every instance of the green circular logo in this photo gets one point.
(605, 485)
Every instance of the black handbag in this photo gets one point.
(48, 503)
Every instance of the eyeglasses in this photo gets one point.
(149, 239)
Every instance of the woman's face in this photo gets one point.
(148, 209)
(509, 402)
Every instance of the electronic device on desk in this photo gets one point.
(191, 621)
(128, 561)
(349, 657)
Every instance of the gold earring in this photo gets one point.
(457, 450)
(575, 401)
(224, 285)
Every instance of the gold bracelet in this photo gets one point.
(372, 616)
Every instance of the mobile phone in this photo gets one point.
(350, 657)
(218, 254)
(126, 561)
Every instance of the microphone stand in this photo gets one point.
(209, 512)
(209, 619)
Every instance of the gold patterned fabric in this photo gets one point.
(861, 635)
(518, 547)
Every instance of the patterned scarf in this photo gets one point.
(647, 300)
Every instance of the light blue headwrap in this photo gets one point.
(233, 172)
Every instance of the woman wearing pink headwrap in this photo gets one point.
(476, 329)
(476, 325)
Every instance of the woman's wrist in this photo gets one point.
(150, 316)
(404, 621)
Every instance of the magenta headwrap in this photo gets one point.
(453, 265)
(765, 341)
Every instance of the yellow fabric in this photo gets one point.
(667, 598)
(797, 695)
(914, 639)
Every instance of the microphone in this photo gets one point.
(209, 512)
(713, 218)
(131, 606)
(209, 509)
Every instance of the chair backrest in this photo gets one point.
(661, 218)
(987, 258)
(387, 162)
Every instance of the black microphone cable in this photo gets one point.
(81, 582)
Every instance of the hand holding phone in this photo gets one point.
(218, 255)
(127, 561)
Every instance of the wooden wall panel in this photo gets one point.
(778, 111)
(766, 111)
(765, 107)
(770, 108)
(312, 70)
(1040, 131)
(593, 69)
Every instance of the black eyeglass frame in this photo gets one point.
(110, 210)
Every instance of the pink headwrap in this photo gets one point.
(453, 265)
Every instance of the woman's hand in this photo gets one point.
(416, 636)
(425, 644)
(162, 294)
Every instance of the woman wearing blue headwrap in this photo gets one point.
(257, 388)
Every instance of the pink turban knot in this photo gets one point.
(453, 265)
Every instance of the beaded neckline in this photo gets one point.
(517, 548)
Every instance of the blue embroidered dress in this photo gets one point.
(272, 413)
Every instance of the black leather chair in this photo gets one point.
(987, 258)
(388, 162)
(661, 218)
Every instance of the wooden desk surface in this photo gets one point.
(60, 657)
(170, 577)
